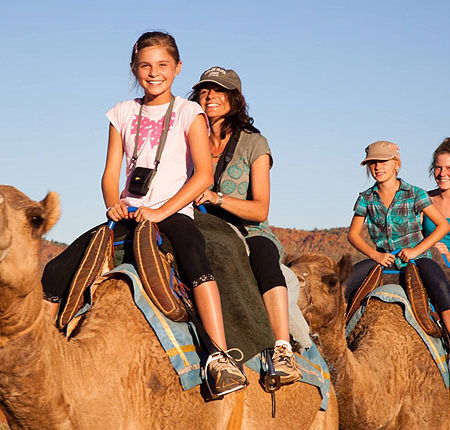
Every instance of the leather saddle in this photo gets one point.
(427, 319)
(155, 270)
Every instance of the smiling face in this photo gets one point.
(155, 69)
(214, 101)
(384, 170)
(441, 171)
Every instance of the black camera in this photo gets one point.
(140, 181)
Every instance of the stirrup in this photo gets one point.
(214, 357)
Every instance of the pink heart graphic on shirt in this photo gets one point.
(154, 128)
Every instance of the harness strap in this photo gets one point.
(226, 157)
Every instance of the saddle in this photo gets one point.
(154, 267)
(426, 317)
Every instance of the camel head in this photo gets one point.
(321, 297)
(22, 224)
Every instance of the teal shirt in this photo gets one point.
(428, 228)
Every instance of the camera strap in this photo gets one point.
(162, 139)
(226, 157)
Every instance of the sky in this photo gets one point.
(323, 79)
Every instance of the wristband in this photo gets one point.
(220, 195)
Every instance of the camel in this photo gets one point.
(113, 374)
(384, 375)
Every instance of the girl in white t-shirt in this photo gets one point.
(184, 171)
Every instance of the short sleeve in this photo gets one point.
(421, 200)
(258, 148)
(360, 207)
(117, 115)
(193, 110)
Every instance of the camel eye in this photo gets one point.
(330, 280)
(36, 221)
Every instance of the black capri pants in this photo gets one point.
(265, 262)
(187, 242)
(432, 276)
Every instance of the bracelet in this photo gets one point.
(220, 195)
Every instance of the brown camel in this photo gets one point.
(384, 376)
(114, 374)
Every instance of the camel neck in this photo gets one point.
(14, 333)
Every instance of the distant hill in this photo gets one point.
(50, 249)
(332, 242)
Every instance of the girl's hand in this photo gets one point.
(384, 258)
(407, 254)
(117, 211)
(153, 215)
(207, 196)
(442, 248)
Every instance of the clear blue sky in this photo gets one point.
(323, 79)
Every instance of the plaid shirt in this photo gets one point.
(399, 225)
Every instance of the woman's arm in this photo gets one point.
(256, 209)
(201, 179)
(111, 176)
(442, 228)
(355, 238)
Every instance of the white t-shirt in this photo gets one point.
(176, 166)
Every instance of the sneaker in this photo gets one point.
(285, 365)
(225, 374)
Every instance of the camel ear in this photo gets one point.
(345, 267)
(52, 210)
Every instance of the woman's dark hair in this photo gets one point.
(443, 148)
(155, 39)
(237, 117)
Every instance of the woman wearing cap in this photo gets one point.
(392, 208)
(241, 195)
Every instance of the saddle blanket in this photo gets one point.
(391, 293)
(182, 344)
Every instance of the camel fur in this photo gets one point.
(384, 375)
(113, 374)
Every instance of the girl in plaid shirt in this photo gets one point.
(393, 210)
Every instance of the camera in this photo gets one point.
(140, 181)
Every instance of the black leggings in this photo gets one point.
(265, 263)
(432, 276)
(187, 242)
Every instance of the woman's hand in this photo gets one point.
(407, 254)
(384, 258)
(153, 215)
(117, 211)
(442, 248)
(207, 196)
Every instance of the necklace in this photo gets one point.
(216, 156)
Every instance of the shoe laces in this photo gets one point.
(282, 353)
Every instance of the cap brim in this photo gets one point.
(221, 84)
(379, 158)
